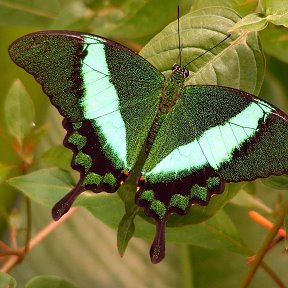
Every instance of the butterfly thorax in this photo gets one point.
(171, 91)
(172, 88)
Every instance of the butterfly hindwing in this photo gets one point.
(107, 94)
(203, 143)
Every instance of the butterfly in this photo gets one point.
(115, 104)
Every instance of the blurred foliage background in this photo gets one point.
(83, 250)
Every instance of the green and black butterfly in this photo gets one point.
(114, 103)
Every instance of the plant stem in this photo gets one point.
(28, 224)
(265, 247)
(271, 273)
(13, 259)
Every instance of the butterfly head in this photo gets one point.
(177, 69)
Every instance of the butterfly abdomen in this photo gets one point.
(153, 131)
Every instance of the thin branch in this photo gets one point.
(28, 224)
(4, 246)
(271, 273)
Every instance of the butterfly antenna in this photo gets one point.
(207, 50)
(179, 40)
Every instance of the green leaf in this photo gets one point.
(49, 282)
(273, 6)
(279, 19)
(240, 6)
(19, 111)
(276, 11)
(276, 182)
(45, 186)
(6, 281)
(58, 156)
(125, 231)
(251, 22)
(201, 30)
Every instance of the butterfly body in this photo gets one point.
(115, 104)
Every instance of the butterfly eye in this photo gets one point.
(175, 67)
(186, 73)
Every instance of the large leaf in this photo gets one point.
(225, 65)
(44, 186)
(19, 111)
(251, 22)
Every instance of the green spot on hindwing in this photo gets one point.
(179, 201)
(147, 195)
(77, 125)
(92, 179)
(77, 140)
(158, 207)
(199, 192)
(108, 178)
(83, 160)
(213, 182)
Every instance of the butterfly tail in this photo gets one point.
(157, 250)
(63, 205)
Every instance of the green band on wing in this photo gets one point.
(100, 102)
(201, 152)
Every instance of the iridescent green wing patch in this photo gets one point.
(203, 143)
(100, 87)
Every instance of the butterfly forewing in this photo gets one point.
(107, 94)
